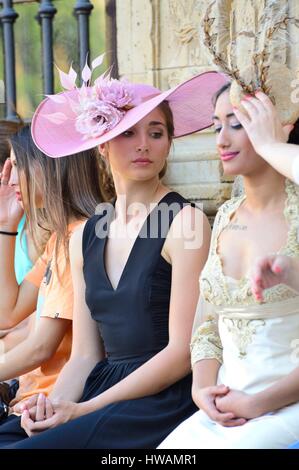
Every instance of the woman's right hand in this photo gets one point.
(205, 399)
(10, 209)
(262, 123)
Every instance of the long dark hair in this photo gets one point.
(166, 110)
(219, 92)
(7, 128)
(70, 186)
(294, 135)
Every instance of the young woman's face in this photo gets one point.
(140, 152)
(18, 180)
(235, 150)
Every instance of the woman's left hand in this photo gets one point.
(239, 403)
(59, 413)
(271, 270)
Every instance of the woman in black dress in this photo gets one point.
(135, 268)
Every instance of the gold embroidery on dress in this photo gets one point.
(213, 283)
(206, 343)
(242, 332)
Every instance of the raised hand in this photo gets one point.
(271, 270)
(10, 209)
(262, 122)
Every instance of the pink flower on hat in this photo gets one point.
(118, 93)
(97, 117)
(98, 108)
(101, 107)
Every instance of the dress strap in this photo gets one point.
(155, 227)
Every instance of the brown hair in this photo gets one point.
(166, 110)
(107, 183)
(294, 135)
(7, 128)
(219, 93)
(70, 186)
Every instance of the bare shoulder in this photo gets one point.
(190, 230)
(191, 219)
(76, 243)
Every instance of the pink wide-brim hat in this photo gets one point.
(190, 103)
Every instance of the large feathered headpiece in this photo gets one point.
(256, 43)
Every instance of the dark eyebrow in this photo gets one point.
(156, 123)
(228, 116)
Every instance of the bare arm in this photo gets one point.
(39, 346)
(268, 136)
(282, 157)
(283, 393)
(16, 302)
(87, 349)
(15, 336)
(205, 373)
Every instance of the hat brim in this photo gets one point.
(190, 102)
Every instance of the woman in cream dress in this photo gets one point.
(245, 351)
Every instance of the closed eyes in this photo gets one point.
(235, 127)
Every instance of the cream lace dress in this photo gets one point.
(256, 344)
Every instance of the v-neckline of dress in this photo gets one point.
(124, 270)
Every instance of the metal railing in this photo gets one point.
(46, 14)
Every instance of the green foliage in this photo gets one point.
(29, 53)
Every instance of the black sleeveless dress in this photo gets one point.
(133, 322)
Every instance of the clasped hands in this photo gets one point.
(225, 406)
(40, 414)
